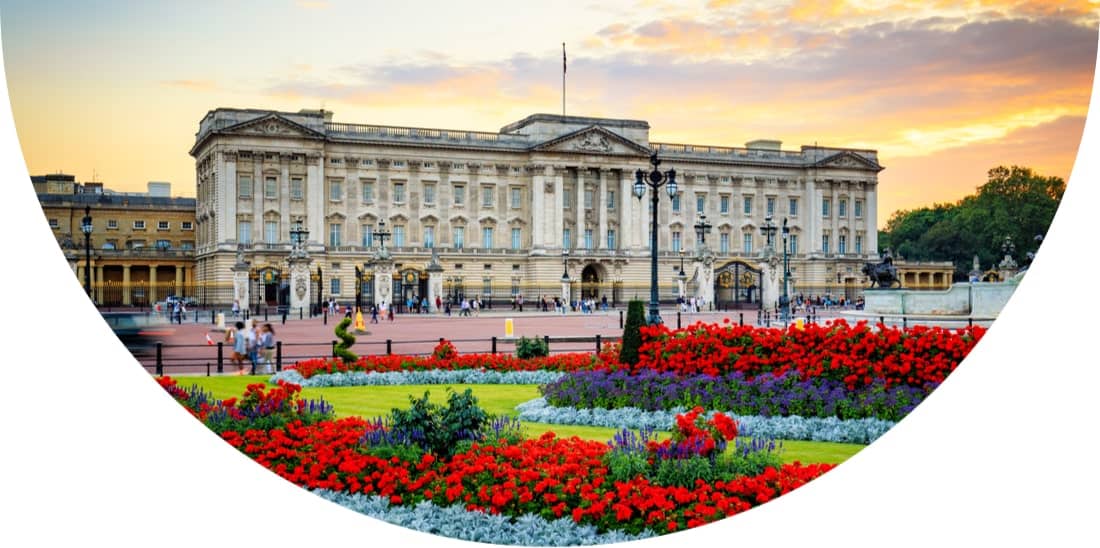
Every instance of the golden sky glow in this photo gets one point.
(943, 90)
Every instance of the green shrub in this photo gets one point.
(346, 340)
(438, 429)
(632, 336)
(625, 466)
(532, 348)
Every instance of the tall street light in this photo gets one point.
(86, 228)
(785, 300)
(702, 228)
(382, 234)
(654, 180)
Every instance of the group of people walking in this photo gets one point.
(254, 343)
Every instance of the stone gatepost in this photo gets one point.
(770, 281)
(240, 281)
(299, 282)
(382, 266)
(435, 281)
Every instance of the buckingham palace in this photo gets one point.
(545, 206)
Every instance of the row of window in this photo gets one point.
(112, 224)
(140, 244)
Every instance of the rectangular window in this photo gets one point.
(611, 239)
(792, 206)
(517, 195)
(486, 196)
(771, 206)
(842, 244)
(675, 241)
(859, 244)
(611, 200)
(334, 286)
(399, 193)
(368, 192)
(429, 236)
(746, 243)
(487, 237)
(724, 242)
(793, 244)
(162, 225)
(747, 205)
(187, 225)
(859, 208)
(187, 245)
(244, 186)
(824, 243)
(460, 195)
(335, 233)
(824, 207)
(112, 223)
(486, 286)
(517, 241)
(271, 232)
(842, 208)
(459, 234)
(676, 203)
(164, 244)
(244, 232)
(588, 199)
(724, 205)
(139, 225)
(700, 203)
(367, 235)
(399, 236)
(296, 188)
(270, 188)
(567, 198)
(335, 190)
(565, 239)
(588, 238)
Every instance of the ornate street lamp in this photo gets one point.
(702, 228)
(298, 236)
(785, 300)
(768, 229)
(564, 266)
(86, 228)
(382, 234)
(654, 180)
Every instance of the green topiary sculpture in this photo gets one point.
(632, 336)
(346, 340)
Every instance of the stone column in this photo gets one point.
(538, 212)
(225, 223)
(179, 280)
(626, 211)
(284, 198)
(315, 196)
(579, 238)
(258, 196)
(152, 296)
(559, 205)
(126, 301)
(435, 285)
(871, 221)
(97, 283)
(601, 211)
(299, 282)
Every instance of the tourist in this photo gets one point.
(464, 308)
(519, 301)
(235, 336)
(236, 308)
(476, 306)
(389, 311)
(373, 314)
(438, 303)
(267, 346)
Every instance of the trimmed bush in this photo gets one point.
(531, 348)
(346, 340)
(632, 334)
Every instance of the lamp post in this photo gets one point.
(654, 180)
(358, 289)
(785, 300)
(702, 228)
(768, 229)
(382, 234)
(567, 292)
(298, 236)
(86, 228)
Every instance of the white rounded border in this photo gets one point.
(94, 450)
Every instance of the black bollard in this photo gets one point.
(278, 355)
(494, 344)
(620, 319)
(284, 318)
(265, 314)
(389, 347)
(333, 349)
(677, 320)
(220, 361)
(741, 319)
(597, 343)
(299, 313)
(160, 360)
(546, 339)
(324, 317)
(207, 369)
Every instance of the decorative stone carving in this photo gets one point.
(593, 142)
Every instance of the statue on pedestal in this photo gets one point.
(884, 274)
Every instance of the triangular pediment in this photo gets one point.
(593, 140)
(273, 125)
(849, 160)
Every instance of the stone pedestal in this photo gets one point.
(435, 282)
(703, 277)
(771, 278)
(565, 293)
(240, 286)
(299, 282)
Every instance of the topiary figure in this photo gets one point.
(632, 335)
(346, 340)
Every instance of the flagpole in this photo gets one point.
(563, 79)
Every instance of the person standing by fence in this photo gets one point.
(235, 336)
(267, 347)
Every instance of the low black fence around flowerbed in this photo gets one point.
(217, 358)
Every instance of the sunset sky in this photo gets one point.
(943, 90)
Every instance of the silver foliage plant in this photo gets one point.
(435, 376)
(831, 429)
(457, 522)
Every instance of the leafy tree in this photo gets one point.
(632, 335)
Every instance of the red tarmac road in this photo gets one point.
(185, 349)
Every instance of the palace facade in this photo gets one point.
(505, 213)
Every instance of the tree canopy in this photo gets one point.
(1015, 202)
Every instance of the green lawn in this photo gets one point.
(497, 399)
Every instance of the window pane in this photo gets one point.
(700, 203)
(269, 188)
(587, 199)
(244, 187)
(794, 244)
(859, 208)
(399, 193)
(825, 207)
(336, 191)
(825, 243)
(429, 236)
(460, 195)
(487, 237)
(334, 231)
(487, 196)
(398, 236)
(459, 237)
(271, 232)
(516, 238)
(724, 243)
(676, 203)
(244, 232)
(429, 194)
(748, 205)
(746, 242)
(565, 239)
(842, 208)
(367, 236)
(296, 189)
(611, 239)
(611, 200)
(676, 241)
(724, 204)
(793, 206)
(334, 286)
(515, 198)
(771, 206)
(368, 192)
(588, 238)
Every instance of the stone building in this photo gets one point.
(142, 247)
(505, 213)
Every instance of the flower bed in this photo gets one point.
(830, 429)
(783, 395)
(436, 376)
(257, 408)
(856, 355)
(578, 361)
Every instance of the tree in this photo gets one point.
(632, 334)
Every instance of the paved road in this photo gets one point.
(185, 348)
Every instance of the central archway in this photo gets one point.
(591, 278)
